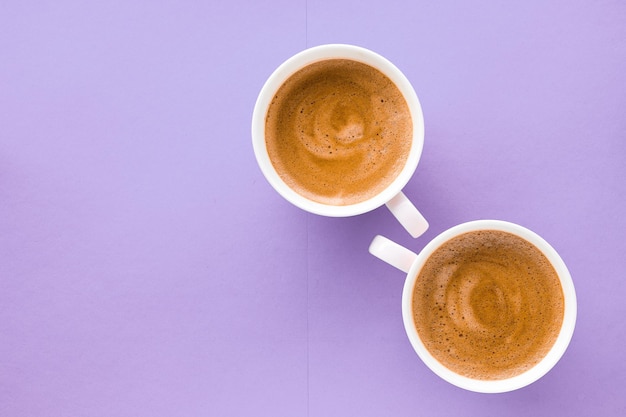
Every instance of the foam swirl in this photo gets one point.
(338, 131)
(488, 305)
(331, 128)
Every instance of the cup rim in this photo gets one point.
(320, 53)
(517, 381)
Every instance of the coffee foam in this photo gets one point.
(488, 305)
(338, 132)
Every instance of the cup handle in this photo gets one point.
(407, 214)
(395, 255)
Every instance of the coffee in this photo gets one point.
(338, 132)
(488, 305)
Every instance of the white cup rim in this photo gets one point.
(529, 376)
(309, 56)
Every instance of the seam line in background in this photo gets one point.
(308, 395)
(307, 318)
(306, 23)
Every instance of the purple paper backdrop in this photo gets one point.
(147, 268)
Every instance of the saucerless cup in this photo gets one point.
(344, 121)
(488, 305)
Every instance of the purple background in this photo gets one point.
(148, 269)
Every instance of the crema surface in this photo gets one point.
(488, 305)
(338, 132)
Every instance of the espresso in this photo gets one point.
(338, 131)
(488, 305)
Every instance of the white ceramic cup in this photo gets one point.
(411, 263)
(392, 196)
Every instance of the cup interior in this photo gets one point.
(301, 60)
(515, 382)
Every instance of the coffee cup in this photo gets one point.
(338, 130)
(488, 305)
